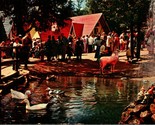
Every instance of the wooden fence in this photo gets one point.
(8, 59)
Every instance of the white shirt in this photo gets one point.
(90, 40)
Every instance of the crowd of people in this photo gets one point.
(63, 48)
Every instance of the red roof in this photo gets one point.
(78, 28)
(89, 22)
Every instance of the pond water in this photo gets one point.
(86, 100)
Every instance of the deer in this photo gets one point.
(109, 60)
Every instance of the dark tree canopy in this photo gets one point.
(123, 15)
(38, 13)
(120, 13)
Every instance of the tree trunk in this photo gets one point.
(18, 10)
(132, 42)
(3, 35)
(138, 42)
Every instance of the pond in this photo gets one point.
(86, 100)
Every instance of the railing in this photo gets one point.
(8, 59)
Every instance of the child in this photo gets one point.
(128, 55)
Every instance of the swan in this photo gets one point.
(34, 107)
(19, 95)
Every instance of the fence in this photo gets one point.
(7, 58)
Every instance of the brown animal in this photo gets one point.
(110, 60)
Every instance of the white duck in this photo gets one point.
(19, 95)
(34, 107)
(54, 91)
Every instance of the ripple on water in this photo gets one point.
(86, 100)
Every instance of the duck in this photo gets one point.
(34, 107)
(51, 78)
(54, 91)
(19, 95)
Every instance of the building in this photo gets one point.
(93, 24)
(79, 26)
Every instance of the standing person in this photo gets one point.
(16, 52)
(86, 39)
(48, 48)
(54, 48)
(85, 44)
(116, 42)
(64, 46)
(79, 49)
(122, 43)
(97, 43)
(69, 51)
(70, 39)
(25, 50)
(90, 44)
(109, 41)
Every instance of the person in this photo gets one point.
(69, 51)
(16, 52)
(122, 43)
(64, 44)
(116, 42)
(103, 49)
(98, 44)
(79, 49)
(47, 48)
(90, 44)
(25, 50)
(109, 41)
(54, 48)
(128, 55)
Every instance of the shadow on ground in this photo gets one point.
(85, 67)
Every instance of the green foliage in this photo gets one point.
(79, 8)
(30, 11)
(120, 13)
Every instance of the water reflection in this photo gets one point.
(87, 100)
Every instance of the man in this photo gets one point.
(48, 48)
(25, 50)
(90, 44)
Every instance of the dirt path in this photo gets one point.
(90, 67)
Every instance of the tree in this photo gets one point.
(79, 8)
(37, 13)
(122, 15)
(3, 35)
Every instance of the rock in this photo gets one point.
(152, 108)
(153, 118)
(140, 112)
(145, 114)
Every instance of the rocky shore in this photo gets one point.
(142, 110)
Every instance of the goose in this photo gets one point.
(34, 107)
(19, 95)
